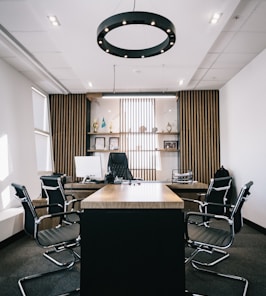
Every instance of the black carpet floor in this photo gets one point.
(247, 259)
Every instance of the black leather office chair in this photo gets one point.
(118, 166)
(57, 239)
(217, 235)
(53, 188)
(218, 192)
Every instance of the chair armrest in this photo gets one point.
(48, 206)
(207, 215)
(55, 215)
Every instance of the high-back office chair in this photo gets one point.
(218, 192)
(62, 237)
(54, 191)
(216, 236)
(118, 166)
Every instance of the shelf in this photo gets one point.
(168, 150)
(102, 150)
(134, 150)
(131, 133)
(104, 134)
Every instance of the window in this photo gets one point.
(138, 140)
(42, 131)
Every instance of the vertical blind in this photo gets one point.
(68, 123)
(137, 118)
(200, 133)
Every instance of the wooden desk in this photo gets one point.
(132, 241)
(80, 190)
(197, 187)
(189, 191)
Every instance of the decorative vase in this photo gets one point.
(169, 127)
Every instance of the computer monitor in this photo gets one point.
(89, 168)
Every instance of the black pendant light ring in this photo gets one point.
(136, 18)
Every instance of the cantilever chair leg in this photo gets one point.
(38, 275)
(223, 256)
(230, 276)
(75, 256)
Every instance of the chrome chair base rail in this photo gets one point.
(229, 276)
(223, 256)
(39, 275)
(75, 257)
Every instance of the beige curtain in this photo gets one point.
(199, 133)
(68, 123)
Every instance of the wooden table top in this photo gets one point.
(189, 186)
(134, 196)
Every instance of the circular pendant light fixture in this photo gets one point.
(136, 18)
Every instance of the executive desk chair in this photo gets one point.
(218, 192)
(54, 191)
(218, 235)
(61, 238)
(118, 166)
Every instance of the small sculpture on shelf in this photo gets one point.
(169, 127)
(95, 126)
(111, 127)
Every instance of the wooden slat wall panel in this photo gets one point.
(68, 123)
(200, 133)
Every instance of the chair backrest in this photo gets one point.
(54, 191)
(218, 192)
(118, 165)
(30, 213)
(237, 204)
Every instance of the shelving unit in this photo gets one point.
(173, 139)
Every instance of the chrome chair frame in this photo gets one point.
(54, 191)
(63, 237)
(212, 238)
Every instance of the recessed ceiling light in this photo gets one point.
(181, 82)
(54, 20)
(215, 18)
(90, 84)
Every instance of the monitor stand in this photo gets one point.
(87, 179)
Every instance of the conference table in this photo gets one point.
(132, 241)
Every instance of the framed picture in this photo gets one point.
(113, 143)
(170, 144)
(99, 143)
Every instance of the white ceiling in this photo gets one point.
(65, 59)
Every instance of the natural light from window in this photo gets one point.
(42, 131)
(4, 168)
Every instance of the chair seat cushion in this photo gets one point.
(208, 235)
(56, 236)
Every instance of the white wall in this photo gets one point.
(243, 136)
(17, 145)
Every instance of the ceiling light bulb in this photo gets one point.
(52, 18)
(106, 30)
(124, 22)
(181, 82)
(153, 23)
(216, 16)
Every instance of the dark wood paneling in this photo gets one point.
(200, 133)
(68, 123)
